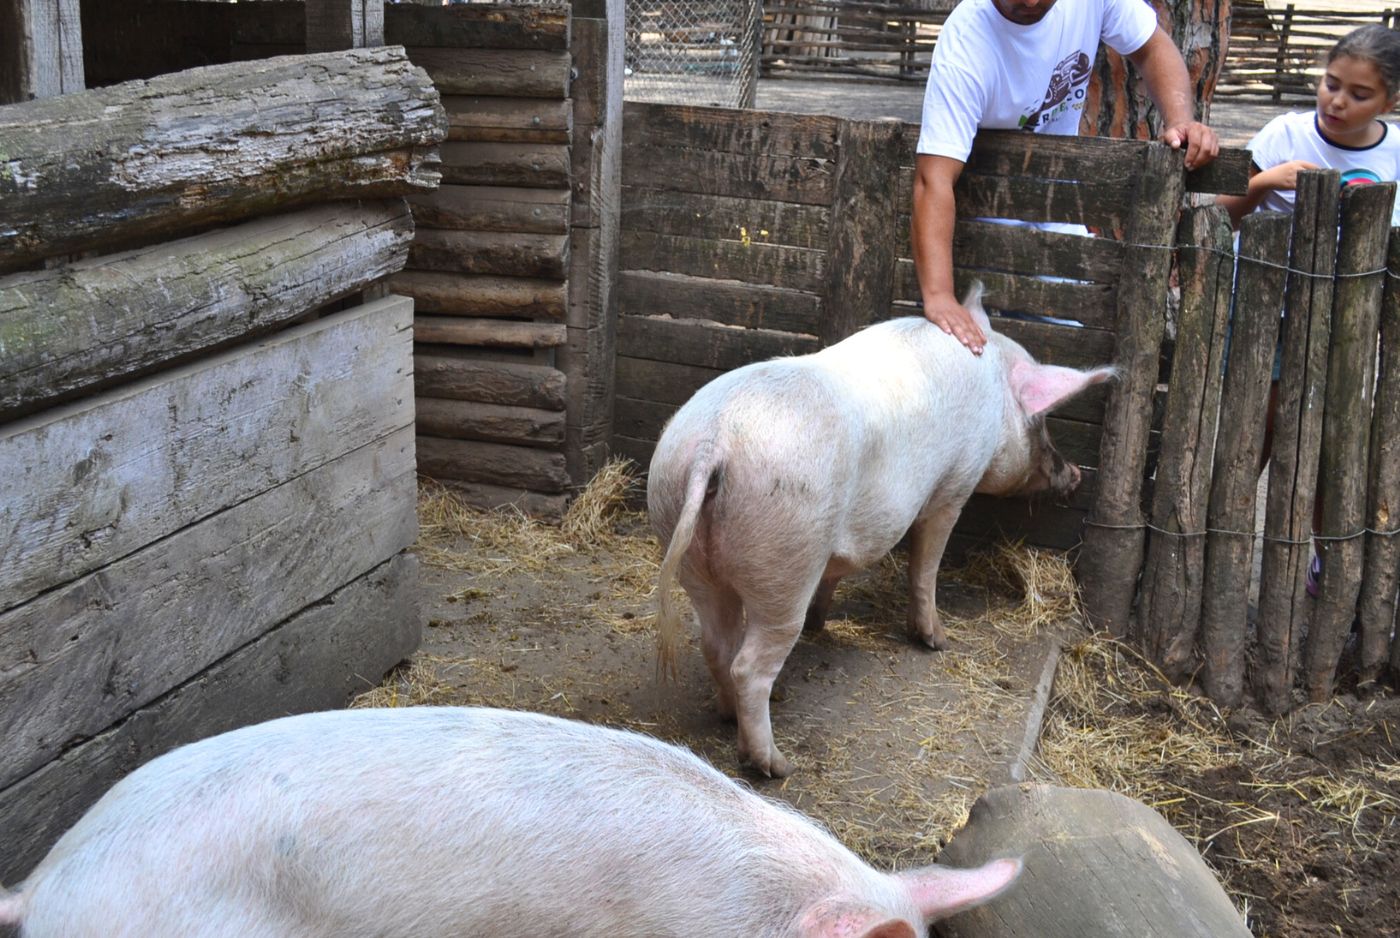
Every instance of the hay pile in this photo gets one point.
(1244, 795)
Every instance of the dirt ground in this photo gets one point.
(893, 743)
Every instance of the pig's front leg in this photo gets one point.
(756, 666)
(928, 536)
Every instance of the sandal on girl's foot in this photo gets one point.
(1314, 576)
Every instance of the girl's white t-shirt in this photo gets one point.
(1296, 137)
(992, 73)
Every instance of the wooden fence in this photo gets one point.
(1273, 55)
(747, 235)
(1334, 271)
(207, 477)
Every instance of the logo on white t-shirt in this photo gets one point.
(1066, 90)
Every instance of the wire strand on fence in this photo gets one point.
(1145, 525)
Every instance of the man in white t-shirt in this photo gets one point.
(1008, 64)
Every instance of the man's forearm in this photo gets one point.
(932, 236)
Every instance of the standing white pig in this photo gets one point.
(777, 479)
(451, 822)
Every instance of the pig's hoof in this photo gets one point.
(936, 642)
(814, 622)
(772, 764)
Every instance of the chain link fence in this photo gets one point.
(693, 51)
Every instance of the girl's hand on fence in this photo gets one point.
(1198, 140)
(1284, 176)
(945, 312)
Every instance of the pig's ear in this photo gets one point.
(1040, 387)
(973, 304)
(834, 918)
(942, 890)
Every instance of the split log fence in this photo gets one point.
(747, 235)
(207, 480)
(1273, 54)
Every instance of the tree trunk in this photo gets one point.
(148, 160)
(1118, 105)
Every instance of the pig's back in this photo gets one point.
(440, 821)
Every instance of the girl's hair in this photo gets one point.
(1376, 44)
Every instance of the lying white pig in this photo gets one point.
(777, 479)
(451, 822)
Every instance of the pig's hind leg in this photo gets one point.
(721, 615)
(820, 605)
(771, 631)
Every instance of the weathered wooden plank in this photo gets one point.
(729, 130)
(496, 333)
(1284, 605)
(527, 165)
(525, 120)
(78, 658)
(332, 25)
(41, 49)
(1113, 537)
(313, 661)
(145, 160)
(665, 382)
(1092, 304)
(1346, 430)
(1026, 250)
(755, 262)
(1169, 605)
(509, 73)
(694, 342)
(598, 47)
(490, 252)
(1381, 576)
(493, 208)
(753, 306)
(465, 379)
(780, 178)
(83, 485)
(470, 295)
(534, 504)
(725, 218)
(85, 324)
(494, 423)
(520, 467)
(1041, 523)
(1238, 454)
(858, 285)
(477, 26)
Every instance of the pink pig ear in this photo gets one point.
(1040, 387)
(942, 890)
(834, 918)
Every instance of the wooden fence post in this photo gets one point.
(1280, 60)
(1351, 381)
(1113, 537)
(333, 25)
(1382, 571)
(1169, 610)
(1239, 447)
(860, 254)
(1283, 603)
(41, 49)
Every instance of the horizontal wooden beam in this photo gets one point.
(490, 382)
(481, 295)
(150, 160)
(493, 423)
(493, 208)
(509, 73)
(487, 252)
(86, 324)
(520, 467)
(490, 333)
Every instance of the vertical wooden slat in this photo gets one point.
(860, 255)
(1239, 447)
(41, 49)
(332, 25)
(1351, 382)
(1382, 571)
(1113, 537)
(1169, 612)
(1283, 602)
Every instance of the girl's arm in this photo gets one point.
(1284, 177)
